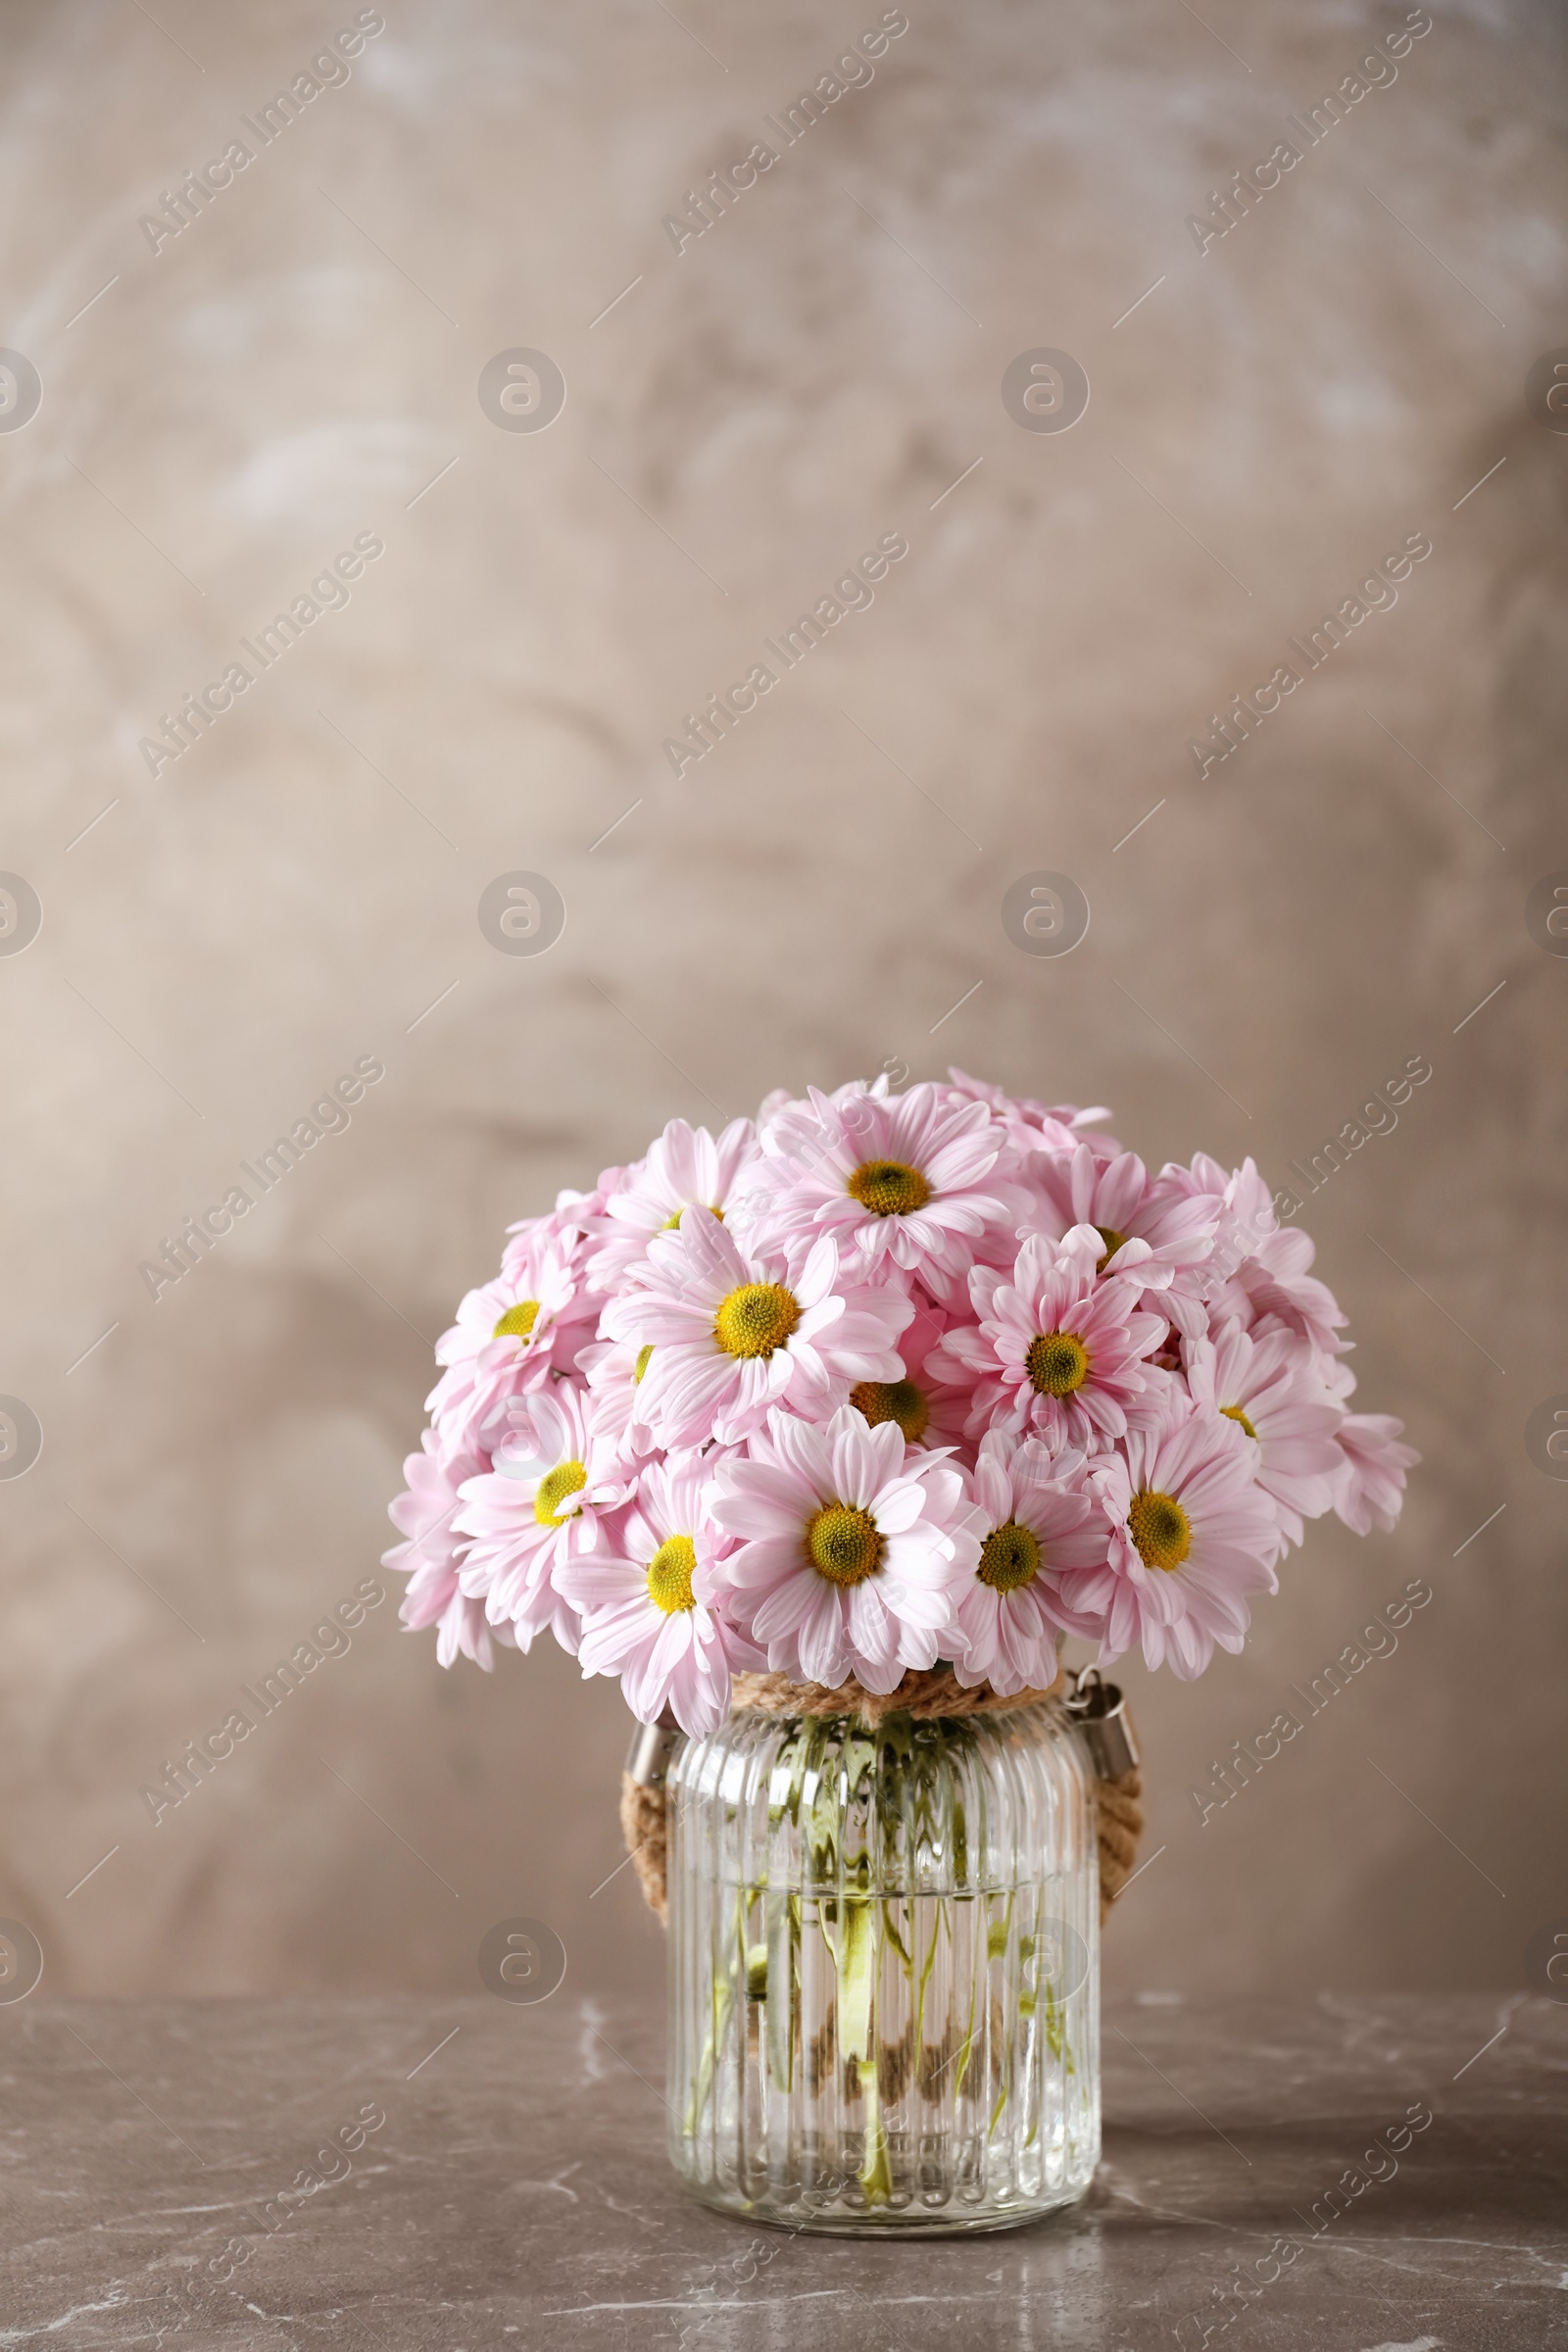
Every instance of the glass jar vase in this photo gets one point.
(884, 1969)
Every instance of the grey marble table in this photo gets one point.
(514, 2193)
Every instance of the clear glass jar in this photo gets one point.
(884, 1969)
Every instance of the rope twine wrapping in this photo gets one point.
(925, 1697)
(1119, 1825)
(928, 1698)
(642, 1825)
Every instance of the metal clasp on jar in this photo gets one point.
(648, 1757)
(1099, 1715)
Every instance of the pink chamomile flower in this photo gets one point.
(851, 1552)
(1149, 1231)
(649, 1604)
(1272, 1280)
(781, 1100)
(511, 1334)
(1209, 1295)
(1268, 1384)
(614, 1370)
(1033, 1126)
(425, 1515)
(684, 1167)
(904, 1180)
(927, 1413)
(1371, 1484)
(732, 1336)
(1192, 1533)
(542, 1502)
(1058, 1355)
(1035, 1520)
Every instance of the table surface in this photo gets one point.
(517, 2192)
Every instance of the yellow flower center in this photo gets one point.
(1009, 1557)
(1057, 1363)
(1112, 1241)
(644, 1356)
(670, 1224)
(899, 1401)
(755, 1319)
(844, 1543)
(669, 1575)
(889, 1187)
(1160, 1529)
(1234, 1412)
(518, 1321)
(552, 1490)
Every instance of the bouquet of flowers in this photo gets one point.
(880, 1380)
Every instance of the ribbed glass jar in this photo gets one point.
(884, 1969)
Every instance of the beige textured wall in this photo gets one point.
(302, 885)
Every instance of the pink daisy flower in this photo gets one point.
(1059, 1354)
(685, 1167)
(852, 1091)
(852, 1549)
(513, 1333)
(1241, 1188)
(429, 1559)
(1272, 1279)
(1267, 1382)
(1206, 1295)
(649, 1604)
(539, 1505)
(1371, 1486)
(1032, 1126)
(1191, 1534)
(927, 1413)
(1149, 1230)
(1034, 1521)
(614, 1370)
(906, 1180)
(732, 1336)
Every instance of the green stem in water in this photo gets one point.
(940, 1921)
(998, 1936)
(783, 1913)
(726, 1988)
(856, 1956)
(966, 2052)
